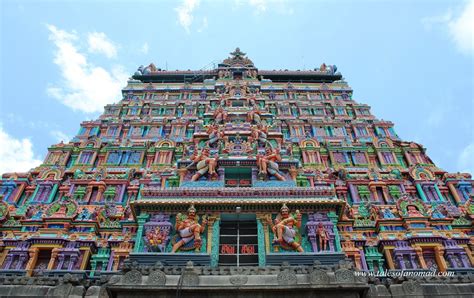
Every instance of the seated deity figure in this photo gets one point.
(204, 164)
(215, 134)
(413, 211)
(267, 164)
(284, 228)
(259, 133)
(220, 115)
(253, 116)
(188, 229)
(251, 100)
(323, 236)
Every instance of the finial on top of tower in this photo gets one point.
(238, 58)
(238, 53)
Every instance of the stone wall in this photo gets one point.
(197, 281)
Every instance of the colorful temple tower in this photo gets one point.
(235, 167)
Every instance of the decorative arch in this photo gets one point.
(421, 173)
(55, 172)
(309, 143)
(404, 203)
(91, 143)
(384, 143)
(165, 144)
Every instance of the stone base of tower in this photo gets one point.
(171, 259)
(203, 281)
(304, 258)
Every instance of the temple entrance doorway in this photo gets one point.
(238, 242)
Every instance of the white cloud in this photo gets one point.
(85, 87)
(203, 25)
(466, 159)
(460, 26)
(462, 29)
(185, 13)
(259, 5)
(60, 136)
(16, 155)
(262, 6)
(144, 49)
(99, 43)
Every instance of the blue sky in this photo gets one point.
(411, 61)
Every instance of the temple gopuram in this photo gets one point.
(237, 182)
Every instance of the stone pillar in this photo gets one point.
(88, 193)
(141, 219)
(362, 259)
(337, 239)
(53, 193)
(440, 196)
(469, 255)
(439, 251)
(420, 192)
(454, 193)
(213, 245)
(388, 257)
(34, 193)
(61, 261)
(8, 262)
(33, 254)
(421, 259)
(116, 262)
(373, 190)
(100, 192)
(52, 261)
(85, 259)
(261, 243)
(93, 267)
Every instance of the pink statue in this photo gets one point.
(204, 164)
(267, 164)
(214, 134)
(254, 115)
(189, 229)
(323, 236)
(412, 211)
(220, 115)
(259, 133)
(284, 228)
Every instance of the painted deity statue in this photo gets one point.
(220, 115)
(323, 236)
(267, 164)
(215, 134)
(284, 228)
(189, 229)
(412, 211)
(259, 133)
(204, 164)
(253, 116)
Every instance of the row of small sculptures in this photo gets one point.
(188, 232)
(207, 164)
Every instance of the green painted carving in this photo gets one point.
(337, 239)
(141, 219)
(261, 244)
(79, 193)
(109, 193)
(215, 244)
(394, 191)
(461, 221)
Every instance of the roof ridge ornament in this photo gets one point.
(238, 58)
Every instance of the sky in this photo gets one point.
(411, 61)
